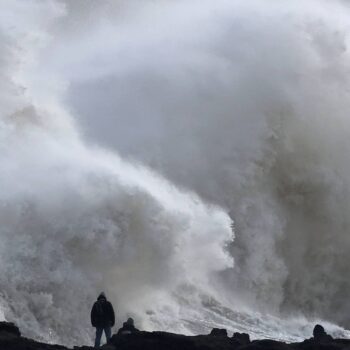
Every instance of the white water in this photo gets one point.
(240, 104)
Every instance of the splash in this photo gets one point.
(77, 219)
(239, 104)
(245, 103)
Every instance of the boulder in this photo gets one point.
(218, 332)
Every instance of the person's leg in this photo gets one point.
(108, 332)
(98, 337)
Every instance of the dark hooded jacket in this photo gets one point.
(102, 313)
(128, 327)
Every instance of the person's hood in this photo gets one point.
(102, 296)
(130, 321)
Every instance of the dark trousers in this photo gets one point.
(108, 333)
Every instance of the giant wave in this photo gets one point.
(127, 126)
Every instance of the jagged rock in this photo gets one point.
(219, 332)
(10, 339)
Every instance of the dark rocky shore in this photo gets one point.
(11, 339)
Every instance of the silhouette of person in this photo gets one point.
(128, 327)
(102, 318)
(320, 335)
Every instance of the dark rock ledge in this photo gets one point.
(11, 339)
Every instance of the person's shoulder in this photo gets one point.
(109, 304)
(94, 305)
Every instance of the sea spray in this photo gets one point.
(240, 104)
(246, 103)
(77, 219)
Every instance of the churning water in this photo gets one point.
(190, 158)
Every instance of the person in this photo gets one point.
(128, 327)
(320, 335)
(102, 318)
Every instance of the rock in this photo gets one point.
(150, 341)
(240, 338)
(218, 332)
(266, 344)
(10, 328)
(310, 344)
(108, 347)
(170, 341)
(10, 339)
(20, 343)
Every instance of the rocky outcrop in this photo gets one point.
(169, 341)
(11, 339)
(239, 339)
(218, 332)
(9, 329)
